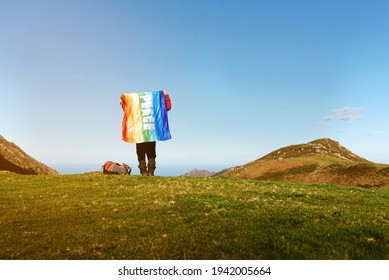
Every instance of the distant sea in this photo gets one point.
(162, 169)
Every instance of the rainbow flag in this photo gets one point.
(145, 117)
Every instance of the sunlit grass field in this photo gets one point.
(96, 216)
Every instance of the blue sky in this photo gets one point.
(245, 77)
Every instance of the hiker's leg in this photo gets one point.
(151, 155)
(141, 153)
(151, 166)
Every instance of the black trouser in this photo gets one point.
(147, 148)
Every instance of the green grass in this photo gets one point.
(96, 216)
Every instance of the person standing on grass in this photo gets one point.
(145, 122)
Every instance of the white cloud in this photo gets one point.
(345, 114)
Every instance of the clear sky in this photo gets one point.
(245, 77)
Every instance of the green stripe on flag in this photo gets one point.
(144, 112)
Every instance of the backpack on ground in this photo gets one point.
(111, 167)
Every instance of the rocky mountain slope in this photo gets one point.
(14, 159)
(323, 161)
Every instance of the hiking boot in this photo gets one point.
(143, 168)
(151, 167)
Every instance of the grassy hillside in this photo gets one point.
(96, 216)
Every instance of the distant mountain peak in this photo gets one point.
(323, 146)
(198, 173)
